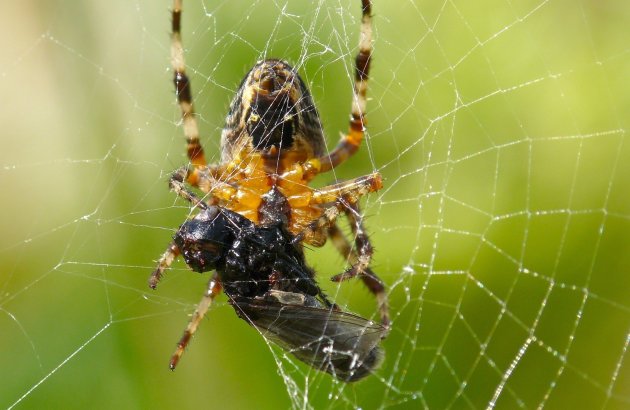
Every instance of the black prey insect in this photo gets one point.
(267, 281)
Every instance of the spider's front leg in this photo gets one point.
(213, 289)
(166, 260)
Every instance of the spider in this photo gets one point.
(273, 142)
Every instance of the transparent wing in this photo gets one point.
(340, 343)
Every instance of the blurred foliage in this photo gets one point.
(502, 231)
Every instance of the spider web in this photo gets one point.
(502, 231)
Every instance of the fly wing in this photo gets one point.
(340, 343)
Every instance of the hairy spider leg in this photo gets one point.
(367, 275)
(352, 190)
(172, 251)
(360, 259)
(166, 260)
(337, 197)
(213, 289)
(350, 142)
(364, 250)
(184, 95)
(176, 183)
(369, 278)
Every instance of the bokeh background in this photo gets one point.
(503, 230)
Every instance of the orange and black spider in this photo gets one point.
(273, 144)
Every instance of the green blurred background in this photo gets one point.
(502, 231)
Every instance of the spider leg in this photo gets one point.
(176, 183)
(351, 190)
(184, 94)
(325, 220)
(351, 141)
(338, 197)
(172, 251)
(165, 262)
(370, 279)
(361, 261)
(213, 289)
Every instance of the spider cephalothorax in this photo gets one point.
(259, 209)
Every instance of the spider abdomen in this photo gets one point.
(272, 108)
